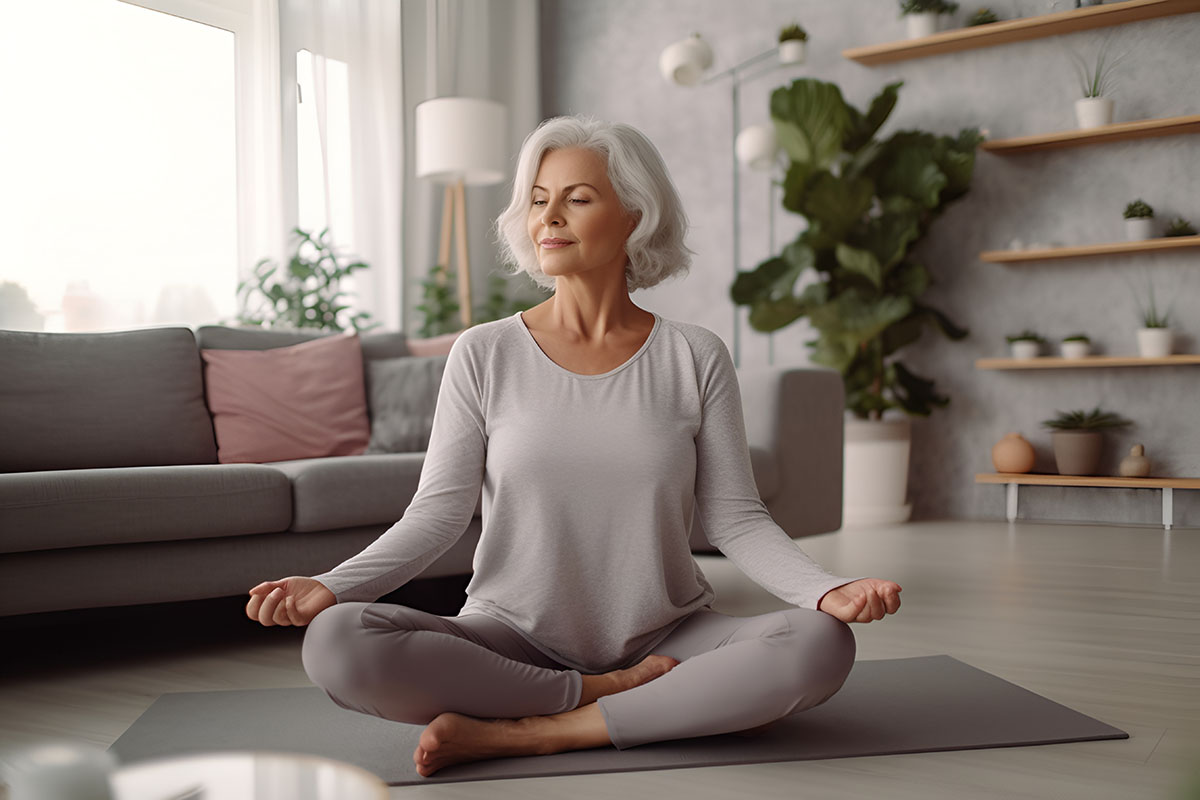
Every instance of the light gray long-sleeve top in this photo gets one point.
(589, 486)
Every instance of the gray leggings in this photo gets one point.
(406, 665)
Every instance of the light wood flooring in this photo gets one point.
(1104, 619)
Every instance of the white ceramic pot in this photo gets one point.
(1075, 349)
(1093, 112)
(875, 471)
(684, 61)
(1025, 349)
(923, 23)
(791, 52)
(1139, 228)
(756, 147)
(1154, 342)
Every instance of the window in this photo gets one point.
(119, 157)
(316, 209)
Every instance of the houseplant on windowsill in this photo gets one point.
(923, 17)
(791, 44)
(867, 202)
(1078, 439)
(1139, 221)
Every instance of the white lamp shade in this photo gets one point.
(462, 138)
(684, 61)
(756, 146)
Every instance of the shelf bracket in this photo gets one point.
(1011, 502)
(1168, 508)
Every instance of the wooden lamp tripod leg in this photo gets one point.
(464, 264)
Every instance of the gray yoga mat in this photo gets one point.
(905, 705)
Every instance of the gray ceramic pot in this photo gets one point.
(1077, 452)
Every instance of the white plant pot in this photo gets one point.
(875, 472)
(1154, 342)
(1092, 112)
(1025, 349)
(1076, 349)
(1139, 228)
(757, 146)
(923, 23)
(791, 52)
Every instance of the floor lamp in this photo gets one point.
(684, 63)
(461, 141)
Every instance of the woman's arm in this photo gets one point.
(447, 492)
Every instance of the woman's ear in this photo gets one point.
(632, 222)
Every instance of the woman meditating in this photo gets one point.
(595, 431)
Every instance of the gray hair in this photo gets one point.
(638, 175)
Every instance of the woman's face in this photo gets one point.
(575, 220)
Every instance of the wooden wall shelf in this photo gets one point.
(1117, 132)
(1162, 243)
(1056, 362)
(1020, 30)
(1011, 480)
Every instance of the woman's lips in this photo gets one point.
(551, 244)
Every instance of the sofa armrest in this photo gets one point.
(797, 415)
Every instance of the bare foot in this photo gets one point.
(646, 670)
(454, 738)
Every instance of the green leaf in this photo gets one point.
(838, 204)
(810, 117)
(910, 279)
(795, 185)
(889, 236)
(943, 322)
(770, 315)
(861, 262)
(914, 393)
(864, 127)
(912, 172)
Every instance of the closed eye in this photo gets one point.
(576, 200)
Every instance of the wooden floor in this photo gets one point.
(1103, 619)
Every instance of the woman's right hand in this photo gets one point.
(289, 601)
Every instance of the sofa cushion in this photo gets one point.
(77, 508)
(83, 400)
(330, 493)
(302, 401)
(402, 395)
(220, 337)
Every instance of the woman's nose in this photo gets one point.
(552, 213)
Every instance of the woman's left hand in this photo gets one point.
(862, 601)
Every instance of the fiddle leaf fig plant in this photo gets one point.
(867, 202)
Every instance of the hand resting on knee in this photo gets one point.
(862, 600)
(289, 601)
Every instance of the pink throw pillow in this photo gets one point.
(303, 401)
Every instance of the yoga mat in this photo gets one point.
(886, 707)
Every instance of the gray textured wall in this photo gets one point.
(601, 58)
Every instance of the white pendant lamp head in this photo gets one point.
(462, 138)
(684, 62)
(757, 147)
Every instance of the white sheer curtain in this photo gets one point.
(358, 43)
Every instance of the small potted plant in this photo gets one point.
(1139, 221)
(1026, 344)
(982, 16)
(1154, 337)
(1077, 345)
(1095, 108)
(1179, 227)
(791, 44)
(922, 16)
(1078, 439)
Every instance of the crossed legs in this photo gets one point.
(483, 691)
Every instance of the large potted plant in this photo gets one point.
(868, 202)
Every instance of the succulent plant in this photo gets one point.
(793, 32)
(1138, 210)
(927, 7)
(1086, 420)
(982, 16)
(1076, 337)
(1179, 227)
(1025, 336)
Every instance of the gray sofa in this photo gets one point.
(111, 494)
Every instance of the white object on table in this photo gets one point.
(247, 776)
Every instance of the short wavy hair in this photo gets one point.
(639, 176)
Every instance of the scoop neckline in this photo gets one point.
(579, 375)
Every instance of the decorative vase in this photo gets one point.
(1092, 112)
(875, 471)
(1135, 465)
(1139, 228)
(922, 23)
(1025, 349)
(791, 52)
(1154, 342)
(1076, 349)
(1013, 453)
(1077, 452)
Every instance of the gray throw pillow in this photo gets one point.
(401, 397)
